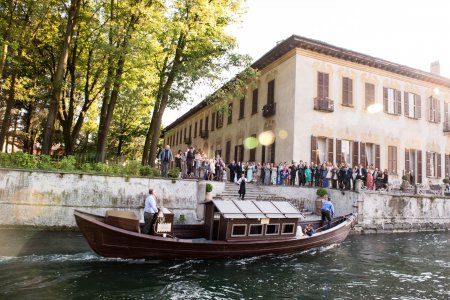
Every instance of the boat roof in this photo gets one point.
(239, 209)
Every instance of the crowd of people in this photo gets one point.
(194, 163)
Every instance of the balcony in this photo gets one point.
(446, 127)
(324, 104)
(188, 140)
(204, 134)
(269, 110)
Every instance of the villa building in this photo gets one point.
(317, 102)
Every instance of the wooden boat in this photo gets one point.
(230, 229)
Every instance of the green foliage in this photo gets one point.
(321, 192)
(146, 171)
(86, 167)
(67, 163)
(45, 163)
(404, 177)
(174, 173)
(446, 180)
(209, 187)
(181, 219)
(132, 168)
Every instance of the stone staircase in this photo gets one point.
(257, 192)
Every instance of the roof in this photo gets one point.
(296, 41)
(238, 209)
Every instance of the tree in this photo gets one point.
(194, 46)
(57, 82)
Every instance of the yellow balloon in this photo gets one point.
(266, 138)
(251, 143)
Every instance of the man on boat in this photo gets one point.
(150, 210)
(327, 212)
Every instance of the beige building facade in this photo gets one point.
(316, 102)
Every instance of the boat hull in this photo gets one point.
(110, 241)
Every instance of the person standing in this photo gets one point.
(232, 170)
(165, 157)
(242, 181)
(327, 212)
(150, 210)
(190, 161)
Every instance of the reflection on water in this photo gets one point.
(57, 265)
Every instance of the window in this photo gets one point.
(447, 165)
(412, 105)
(434, 114)
(255, 102)
(345, 152)
(206, 123)
(347, 91)
(433, 164)
(392, 101)
(392, 159)
(190, 131)
(272, 229)
(322, 85)
(213, 121)
(238, 230)
(321, 150)
(230, 113)
(219, 119)
(241, 108)
(252, 157)
(370, 94)
(287, 228)
(195, 130)
(256, 229)
(200, 127)
(271, 92)
(227, 151)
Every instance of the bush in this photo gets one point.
(174, 173)
(156, 173)
(146, 171)
(86, 167)
(404, 177)
(23, 160)
(45, 163)
(209, 187)
(321, 192)
(132, 168)
(446, 180)
(68, 163)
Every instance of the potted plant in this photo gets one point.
(209, 188)
(321, 194)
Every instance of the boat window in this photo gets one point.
(239, 230)
(272, 229)
(287, 228)
(256, 229)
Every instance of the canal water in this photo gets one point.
(60, 265)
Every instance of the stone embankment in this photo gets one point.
(47, 199)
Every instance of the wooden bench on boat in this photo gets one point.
(127, 220)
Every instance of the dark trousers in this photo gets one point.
(326, 215)
(148, 221)
(164, 168)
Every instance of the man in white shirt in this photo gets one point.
(150, 210)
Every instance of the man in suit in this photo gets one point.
(232, 168)
(165, 157)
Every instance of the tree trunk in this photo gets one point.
(9, 106)
(58, 80)
(108, 111)
(4, 47)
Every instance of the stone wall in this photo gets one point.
(49, 199)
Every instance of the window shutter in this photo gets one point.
(428, 157)
(213, 121)
(350, 91)
(263, 154)
(445, 112)
(338, 151)
(406, 160)
(314, 149)
(255, 101)
(362, 154)
(385, 100)
(406, 102)
(319, 85)
(446, 164)
(377, 157)
(418, 106)
(398, 102)
(438, 165)
(330, 151)
(344, 91)
(325, 85)
(370, 94)
(430, 115)
(438, 111)
(271, 92)
(355, 153)
(419, 166)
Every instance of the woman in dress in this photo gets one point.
(266, 174)
(250, 169)
(369, 179)
(258, 174)
(307, 175)
(273, 176)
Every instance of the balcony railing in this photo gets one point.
(447, 127)
(324, 104)
(204, 134)
(269, 110)
(188, 140)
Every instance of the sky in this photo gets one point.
(413, 33)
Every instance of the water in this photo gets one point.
(60, 265)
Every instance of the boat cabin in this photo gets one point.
(250, 220)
